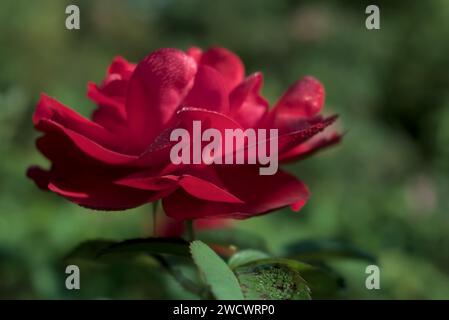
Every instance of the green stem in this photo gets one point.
(155, 207)
(190, 230)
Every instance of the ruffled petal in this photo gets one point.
(52, 117)
(260, 195)
(52, 110)
(85, 181)
(84, 144)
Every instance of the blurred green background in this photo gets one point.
(384, 189)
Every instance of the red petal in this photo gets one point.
(310, 147)
(158, 151)
(260, 194)
(208, 118)
(51, 109)
(306, 131)
(195, 186)
(52, 117)
(156, 89)
(120, 66)
(303, 99)
(84, 144)
(111, 94)
(248, 107)
(85, 181)
(39, 176)
(205, 190)
(195, 53)
(110, 112)
(227, 63)
(97, 95)
(209, 91)
(142, 181)
(101, 195)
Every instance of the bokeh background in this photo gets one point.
(385, 189)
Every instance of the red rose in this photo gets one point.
(120, 158)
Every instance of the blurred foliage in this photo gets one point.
(384, 189)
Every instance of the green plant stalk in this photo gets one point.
(155, 206)
(190, 231)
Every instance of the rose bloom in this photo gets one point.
(120, 159)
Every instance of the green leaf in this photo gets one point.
(323, 283)
(272, 279)
(324, 250)
(89, 250)
(137, 277)
(245, 257)
(223, 283)
(106, 261)
(170, 246)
